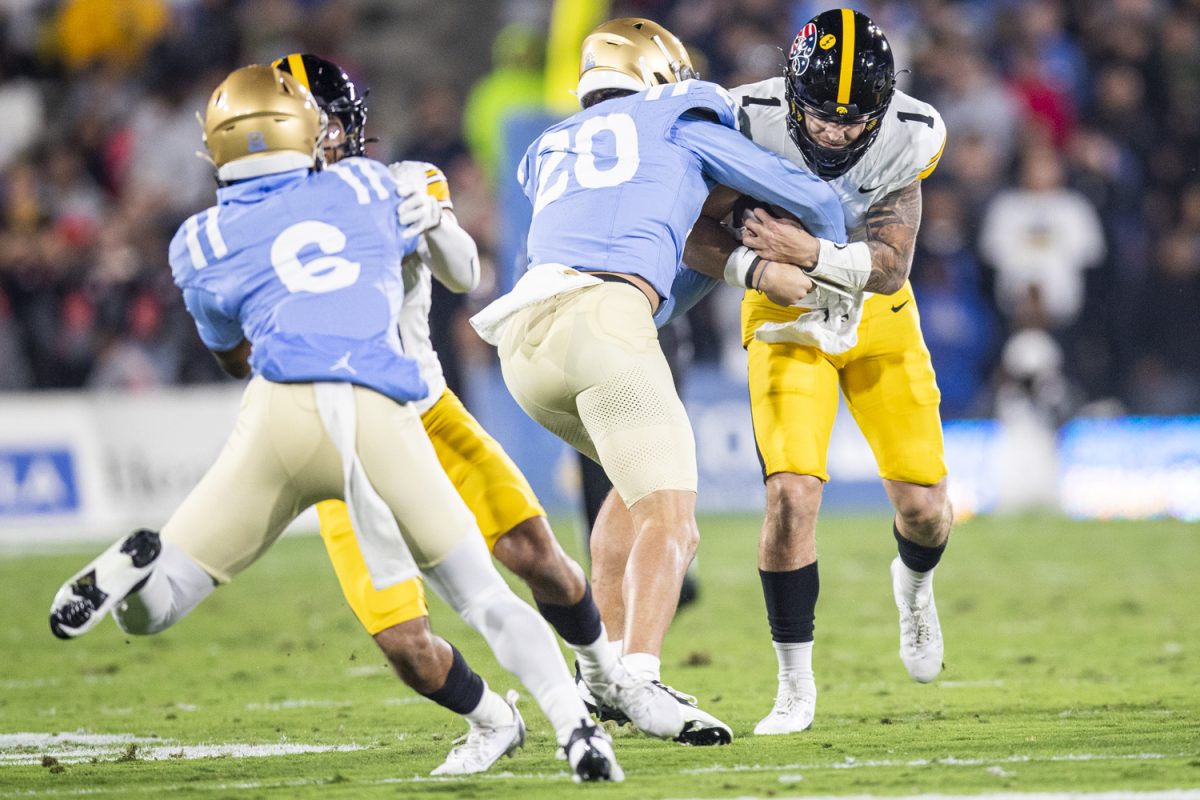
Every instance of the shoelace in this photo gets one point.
(787, 702)
(920, 619)
(678, 695)
(469, 746)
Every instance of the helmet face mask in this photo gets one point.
(840, 70)
(632, 54)
(336, 94)
(260, 121)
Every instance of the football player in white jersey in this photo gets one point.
(512, 521)
(837, 112)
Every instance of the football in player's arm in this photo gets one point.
(576, 336)
(836, 112)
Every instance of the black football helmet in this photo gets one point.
(335, 93)
(839, 69)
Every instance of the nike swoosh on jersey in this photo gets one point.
(865, 190)
(897, 308)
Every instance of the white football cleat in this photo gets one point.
(589, 752)
(700, 729)
(96, 589)
(646, 704)
(921, 647)
(795, 705)
(484, 746)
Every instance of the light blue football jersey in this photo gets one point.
(306, 266)
(618, 186)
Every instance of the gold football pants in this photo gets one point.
(887, 379)
(488, 481)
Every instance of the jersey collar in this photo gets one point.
(254, 189)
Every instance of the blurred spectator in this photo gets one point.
(438, 140)
(14, 364)
(21, 100)
(1166, 376)
(974, 102)
(1094, 232)
(956, 317)
(1032, 399)
(515, 84)
(111, 31)
(1040, 237)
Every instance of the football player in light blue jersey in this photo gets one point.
(615, 190)
(295, 277)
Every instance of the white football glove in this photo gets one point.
(418, 212)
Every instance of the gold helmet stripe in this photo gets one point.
(847, 74)
(296, 65)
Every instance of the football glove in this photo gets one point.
(419, 211)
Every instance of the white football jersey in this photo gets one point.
(414, 313)
(910, 142)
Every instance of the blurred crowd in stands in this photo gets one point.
(1057, 268)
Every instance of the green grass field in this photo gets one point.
(1072, 665)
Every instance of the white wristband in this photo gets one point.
(846, 265)
(739, 267)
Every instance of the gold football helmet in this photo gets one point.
(260, 121)
(632, 53)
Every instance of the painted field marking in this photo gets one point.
(948, 761)
(72, 748)
(290, 705)
(1164, 794)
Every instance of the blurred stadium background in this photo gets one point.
(1058, 265)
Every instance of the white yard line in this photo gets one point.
(289, 705)
(948, 761)
(70, 747)
(73, 748)
(1165, 794)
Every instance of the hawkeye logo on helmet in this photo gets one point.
(255, 143)
(843, 110)
(802, 48)
(828, 41)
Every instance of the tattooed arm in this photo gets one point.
(889, 230)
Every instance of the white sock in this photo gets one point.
(644, 665)
(597, 660)
(492, 711)
(618, 646)
(519, 637)
(174, 587)
(916, 587)
(565, 711)
(795, 660)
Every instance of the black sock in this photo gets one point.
(917, 557)
(791, 602)
(578, 625)
(462, 690)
